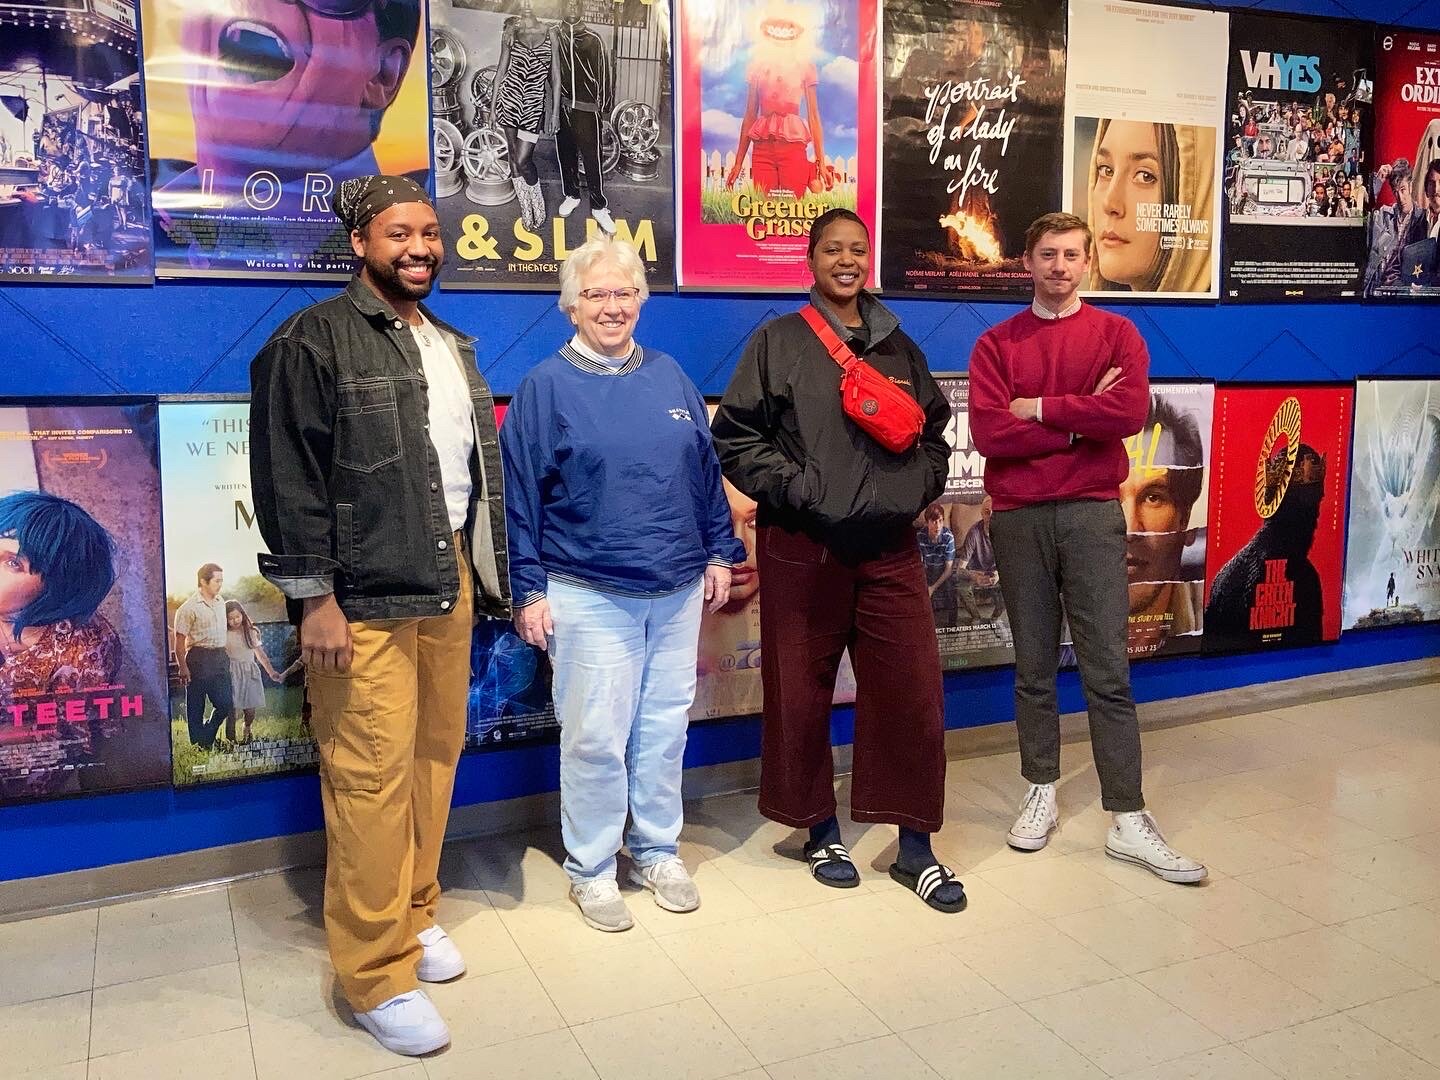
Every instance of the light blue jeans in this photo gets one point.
(624, 680)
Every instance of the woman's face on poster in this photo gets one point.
(1127, 174)
(20, 585)
(745, 579)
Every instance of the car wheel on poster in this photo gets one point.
(448, 143)
(485, 157)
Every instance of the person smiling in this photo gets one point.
(376, 472)
(836, 550)
(619, 534)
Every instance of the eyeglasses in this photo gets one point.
(600, 296)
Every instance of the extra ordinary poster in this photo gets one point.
(73, 199)
(258, 111)
(971, 623)
(1402, 263)
(1392, 558)
(1144, 93)
(82, 645)
(237, 689)
(552, 122)
(972, 99)
(1297, 139)
(776, 103)
(1277, 516)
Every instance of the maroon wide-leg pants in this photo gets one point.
(813, 605)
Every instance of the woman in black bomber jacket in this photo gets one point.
(840, 568)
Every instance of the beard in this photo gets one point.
(387, 279)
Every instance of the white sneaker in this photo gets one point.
(1038, 818)
(408, 1024)
(1136, 838)
(671, 883)
(567, 206)
(441, 961)
(606, 221)
(601, 905)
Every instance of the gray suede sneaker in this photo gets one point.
(671, 883)
(601, 906)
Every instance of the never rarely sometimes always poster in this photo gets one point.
(258, 110)
(1143, 102)
(776, 100)
(82, 653)
(972, 97)
(1277, 516)
(236, 689)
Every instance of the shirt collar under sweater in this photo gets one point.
(1042, 312)
(878, 319)
(587, 359)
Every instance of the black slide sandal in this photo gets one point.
(925, 884)
(831, 855)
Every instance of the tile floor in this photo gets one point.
(1312, 953)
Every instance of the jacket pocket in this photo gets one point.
(367, 425)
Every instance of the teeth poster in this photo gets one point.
(1144, 94)
(258, 110)
(972, 102)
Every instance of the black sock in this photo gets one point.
(916, 855)
(824, 834)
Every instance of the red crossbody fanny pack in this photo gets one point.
(879, 408)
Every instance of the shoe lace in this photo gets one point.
(1152, 834)
(669, 870)
(1036, 808)
(601, 889)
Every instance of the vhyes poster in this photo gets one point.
(1166, 499)
(1392, 559)
(1277, 516)
(73, 200)
(1299, 123)
(972, 100)
(1405, 182)
(82, 644)
(776, 100)
(971, 624)
(552, 122)
(237, 692)
(258, 110)
(1144, 93)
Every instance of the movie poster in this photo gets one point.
(73, 197)
(1392, 559)
(1277, 516)
(258, 110)
(1144, 97)
(552, 122)
(237, 690)
(509, 699)
(971, 624)
(776, 100)
(82, 645)
(1166, 499)
(1296, 150)
(1402, 263)
(973, 94)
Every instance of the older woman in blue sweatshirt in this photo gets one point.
(619, 534)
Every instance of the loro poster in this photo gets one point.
(972, 101)
(1392, 558)
(1297, 144)
(82, 644)
(73, 196)
(1166, 499)
(971, 623)
(258, 111)
(776, 102)
(1277, 516)
(552, 122)
(1144, 92)
(236, 685)
(1405, 184)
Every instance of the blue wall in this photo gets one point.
(199, 338)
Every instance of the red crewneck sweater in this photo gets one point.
(1058, 361)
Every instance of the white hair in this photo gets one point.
(602, 248)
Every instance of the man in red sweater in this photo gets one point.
(1053, 392)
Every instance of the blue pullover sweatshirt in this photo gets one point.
(611, 481)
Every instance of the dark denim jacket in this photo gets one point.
(347, 485)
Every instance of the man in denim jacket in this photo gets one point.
(376, 472)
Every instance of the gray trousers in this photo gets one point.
(1076, 550)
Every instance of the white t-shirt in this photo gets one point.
(451, 416)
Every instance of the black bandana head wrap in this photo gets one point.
(357, 202)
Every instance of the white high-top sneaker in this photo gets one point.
(408, 1024)
(1038, 818)
(1136, 838)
